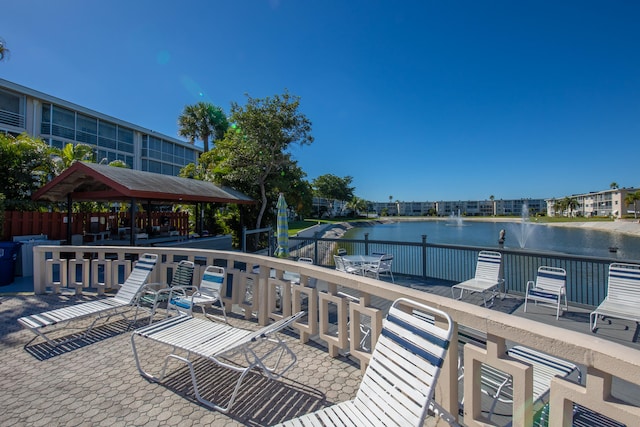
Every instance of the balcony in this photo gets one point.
(94, 380)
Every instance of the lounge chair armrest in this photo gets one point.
(530, 285)
(153, 287)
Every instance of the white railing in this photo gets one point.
(257, 285)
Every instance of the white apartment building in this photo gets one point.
(604, 203)
(59, 122)
(462, 207)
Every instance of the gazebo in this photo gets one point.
(83, 182)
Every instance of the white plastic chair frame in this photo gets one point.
(550, 287)
(398, 386)
(219, 343)
(43, 323)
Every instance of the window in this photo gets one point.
(125, 140)
(86, 129)
(11, 109)
(63, 122)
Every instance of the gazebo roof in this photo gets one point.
(94, 182)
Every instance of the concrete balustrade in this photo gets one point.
(263, 293)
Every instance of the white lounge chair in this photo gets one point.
(623, 294)
(398, 386)
(43, 323)
(185, 298)
(550, 286)
(219, 343)
(487, 279)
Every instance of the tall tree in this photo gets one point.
(255, 150)
(333, 187)
(202, 121)
(571, 204)
(613, 185)
(25, 165)
(633, 198)
(357, 205)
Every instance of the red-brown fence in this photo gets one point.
(54, 224)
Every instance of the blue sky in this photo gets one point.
(419, 100)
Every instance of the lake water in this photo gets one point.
(568, 240)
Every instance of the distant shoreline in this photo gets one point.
(629, 227)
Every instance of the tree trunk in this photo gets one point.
(263, 207)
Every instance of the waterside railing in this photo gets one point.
(256, 284)
(586, 276)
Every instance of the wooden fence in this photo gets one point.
(55, 224)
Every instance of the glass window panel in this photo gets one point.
(107, 143)
(129, 161)
(86, 138)
(63, 117)
(125, 135)
(57, 144)
(10, 102)
(154, 143)
(46, 113)
(87, 124)
(62, 131)
(126, 147)
(155, 167)
(167, 147)
(167, 169)
(107, 130)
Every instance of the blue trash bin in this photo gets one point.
(8, 255)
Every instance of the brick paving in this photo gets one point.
(94, 381)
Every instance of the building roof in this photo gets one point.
(94, 182)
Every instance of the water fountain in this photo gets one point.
(522, 230)
(455, 220)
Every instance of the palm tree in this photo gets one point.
(202, 121)
(633, 198)
(64, 157)
(613, 185)
(356, 204)
(570, 203)
(4, 52)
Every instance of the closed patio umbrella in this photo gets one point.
(282, 230)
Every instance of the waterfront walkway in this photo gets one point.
(94, 381)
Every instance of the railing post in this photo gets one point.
(316, 236)
(244, 240)
(366, 243)
(424, 256)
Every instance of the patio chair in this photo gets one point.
(185, 298)
(623, 295)
(345, 266)
(398, 386)
(43, 323)
(487, 278)
(236, 349)
(154, 294)
(550, 286)
(382, 266)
